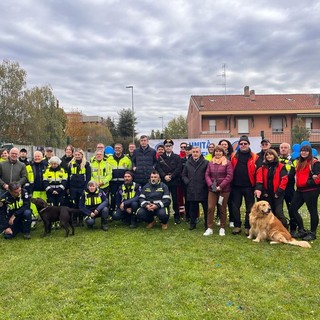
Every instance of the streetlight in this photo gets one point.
(161, 124)
(131, 87)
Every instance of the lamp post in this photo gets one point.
(161, 124)
(131, 87)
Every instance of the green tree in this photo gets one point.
(126, 124)
(12, 113)
(176, 128)
(112, 127)
(299, 131)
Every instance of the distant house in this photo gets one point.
(270, 115)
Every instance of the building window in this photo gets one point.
(276, 125)
(212, 125)
(309, 123)
(243, 125)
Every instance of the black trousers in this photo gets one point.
(175, 203)
(310, 198)
(194, 209)
(236, 199)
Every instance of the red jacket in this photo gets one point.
(304, 181)
(251, 164)
(280, 178)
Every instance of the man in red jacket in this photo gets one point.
(243, 183)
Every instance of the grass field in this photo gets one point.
(155, 274)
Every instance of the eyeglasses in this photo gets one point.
(182, 148)
(168, 145)
(243, 144)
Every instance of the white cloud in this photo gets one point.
(89, 51)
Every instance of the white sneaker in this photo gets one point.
(208, 232)
(218, 222)
(222, 232)
(231, 224)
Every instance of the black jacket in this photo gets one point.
(144, 160)
(170, 165)
(193, 176)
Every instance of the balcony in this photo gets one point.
(216, 134)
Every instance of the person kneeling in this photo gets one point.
(127, 200)
(94, 204)
(154, 201)
(15, 211)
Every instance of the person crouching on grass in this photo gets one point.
(94, 203)
(154, 201)
(15, 212)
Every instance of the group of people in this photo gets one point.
(141, 185)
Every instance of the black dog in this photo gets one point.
(51, 214)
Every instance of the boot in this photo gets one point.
(133, 223)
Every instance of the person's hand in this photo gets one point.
(11, 220)
(121, 206)
(167, 177)
(257, 193)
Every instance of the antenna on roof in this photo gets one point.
(223, 75)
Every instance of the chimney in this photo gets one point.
(317, 99)
(246, 91)
(252, 95)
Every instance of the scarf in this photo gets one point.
(222, 161)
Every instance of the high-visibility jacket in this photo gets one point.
(91, 201)
(119, 166)
(78, 177)
(101, 172)
(128, 194)
(55, 179)
(14, 206)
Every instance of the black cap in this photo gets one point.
(23, 150)
(244, 138)
(189, 147)
(168, 141)
(265, 141)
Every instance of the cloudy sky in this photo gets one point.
(88, 51)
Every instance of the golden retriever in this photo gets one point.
(266, 226)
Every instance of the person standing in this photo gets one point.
(265, 145)
(67, 157)
(101, 171)
(271, 182)
(244, 170)
(55, 182)
(119, 163)
(169, 167)
(79, 174)
(193, 176)
(143, 161)
(308, 186)
(290, 165)
(219, 175)
(12, 170)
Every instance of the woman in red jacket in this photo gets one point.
(271, 182)
(307, 183)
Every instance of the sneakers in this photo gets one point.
(236, 231)
(222, 232)
(151, 225)
(299, 234)
(208, 232)
(231, 224)
(164, 226)
(310, 236)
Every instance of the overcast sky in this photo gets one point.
(88, 51)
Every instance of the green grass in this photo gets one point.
(155, 274)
